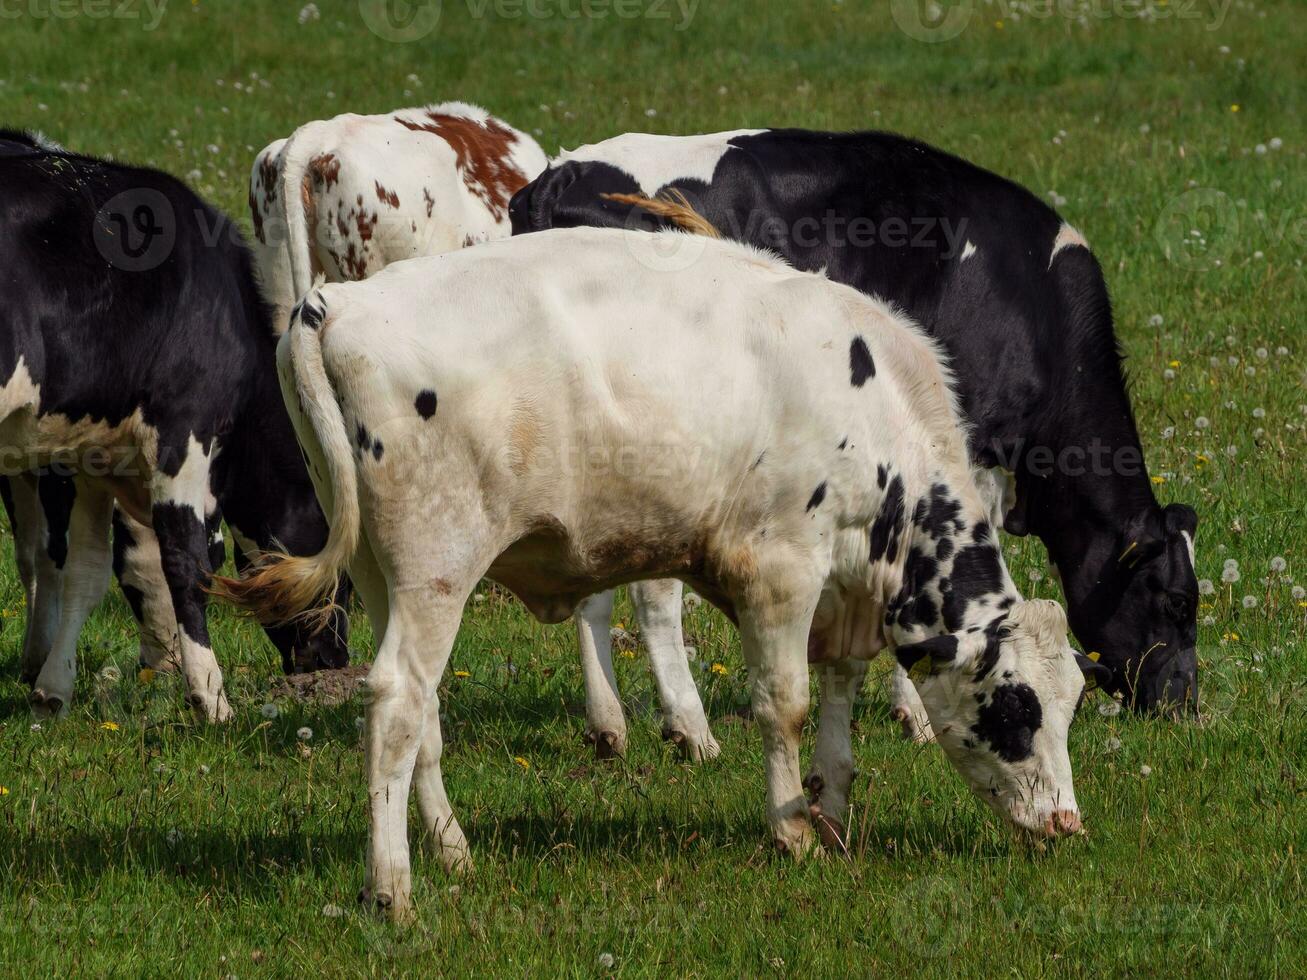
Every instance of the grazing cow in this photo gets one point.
(1019, 303)
(135, 353)
(345, 197)
(784, 443)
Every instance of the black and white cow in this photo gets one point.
(562, 415)
(1019, 303)
(136, 354)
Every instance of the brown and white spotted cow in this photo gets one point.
(345, 197)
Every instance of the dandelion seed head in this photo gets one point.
(269, 711)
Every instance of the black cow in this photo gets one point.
(137, 357)
(1017, 299)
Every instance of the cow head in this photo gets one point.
(1001, 700)
(1139, 613)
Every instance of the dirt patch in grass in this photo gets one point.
(329, 687)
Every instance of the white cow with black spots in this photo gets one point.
(347, 196)
(569, 411)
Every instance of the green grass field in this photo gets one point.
(134, 843)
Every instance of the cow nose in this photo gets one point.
(1060, 823)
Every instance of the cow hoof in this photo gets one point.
(45, 706)
(383, 904)
(915, 729)
(699, 747)
(797, 845)
(607, 744)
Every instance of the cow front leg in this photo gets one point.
(907, 709)
(177, 513)
(400, 716)
(139, 569)
(658, 611)
(605, 724)
(39, 570)
(775, 650)
(832, 771)
(84, 578)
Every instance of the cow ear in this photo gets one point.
(1144, 538)
(1096, 675)
(1180, 518)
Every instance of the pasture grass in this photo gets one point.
(134, 843)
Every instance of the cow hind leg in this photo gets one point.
(137, 564)
(37, 570)
(832, 772)
(402, 739)
(177, 513)
(605, 724)
(658, 611)
(84, 580)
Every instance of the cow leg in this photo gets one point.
(84, 580)
(137, 564)
(401, 689)
(658, 611)
(907, 708)
(832, 773)
(177, 513)
(775, 649)
(37, 570)
(605, 725)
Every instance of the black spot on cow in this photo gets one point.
(377, 449)
(944, 550)
(861, 364)
(1009, 722)
(843, 443)
(1006, 603)
(310, 316)
(980, 533)
(57, 495)
(937, 514)
(995, 634)
(817, 497)
(977, 572)
(882, 476)
(888, 525)
(363, 439)
(941, 649)
(187, 579)
(425, 403)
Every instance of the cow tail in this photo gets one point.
(297, 205)
(673, 207)
(282, 588)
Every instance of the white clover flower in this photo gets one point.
(1202, 422)
(1155, 320)
(304, 734)
(1250, 602)
(1205, 587)
(1109, 709)
(1278, 564)
(269, 711)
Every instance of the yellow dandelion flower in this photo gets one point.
(1230, 636)
(1202, 458)
(522, 762)
(1175, 364)
(998, 25)
(4, 790)
(1159, 480)
(1235, 107)
(719, 669)
(109, 726)
(461, 673)
(145, 676)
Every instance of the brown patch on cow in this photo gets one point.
(270, 178)
(524, 430)
(256, 216)
(429, 200)
(311, 221)
(482, 154)
(325, 170)
(442, 586)
(387, 197)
